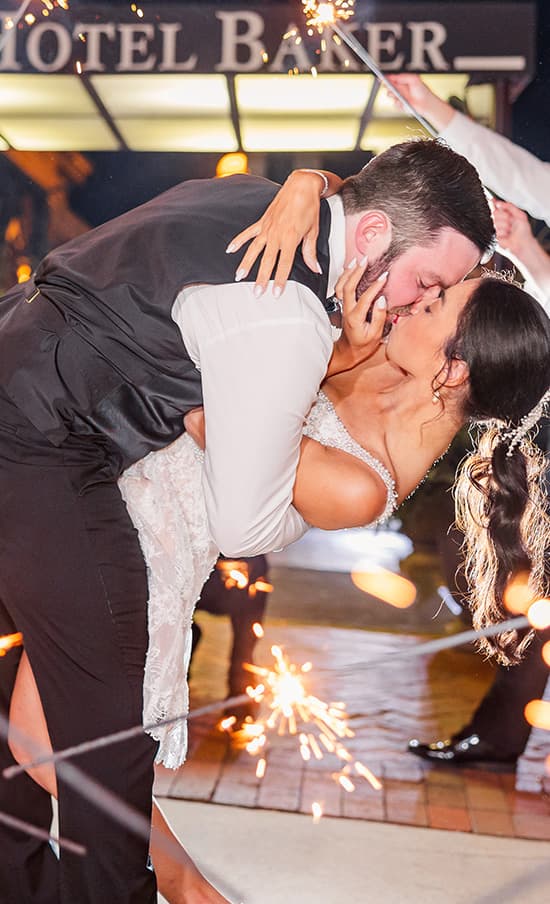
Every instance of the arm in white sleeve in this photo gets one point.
(507, 169)
(261, 361)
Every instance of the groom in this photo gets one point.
(99, 361)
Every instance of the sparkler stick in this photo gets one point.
(118, 736)
(368, 60)
(102, 798)
(435, 646)
(326, 15)
(41, 834)
(390, 658)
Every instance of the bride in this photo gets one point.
(479, 352)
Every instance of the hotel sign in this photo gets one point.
(492, 37)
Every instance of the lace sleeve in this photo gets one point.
(164, 496)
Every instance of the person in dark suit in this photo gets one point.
(497, 732)
(245, 606)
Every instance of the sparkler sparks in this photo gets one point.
(320, 15)
(9, 641)
(331, 16)
(320, 727)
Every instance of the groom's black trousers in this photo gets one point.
(73, 580)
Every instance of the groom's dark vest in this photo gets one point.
(93, 347)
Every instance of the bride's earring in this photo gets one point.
(436, 397)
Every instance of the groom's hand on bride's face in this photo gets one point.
(194, 425)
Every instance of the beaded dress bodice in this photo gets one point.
(324, 425)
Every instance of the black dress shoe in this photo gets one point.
(471, 751)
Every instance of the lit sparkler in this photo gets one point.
(320, 15)
(319, 727)
(328, 15)
(234, 573)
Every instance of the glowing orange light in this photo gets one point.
(260, 768)
(230, 164)
(365, 772)
(24, 272)
(518, 596)
(257, 629)
(387, 586)
(539, 614)
(226, 724)
(317, 811)
(241, 579)
(537, 713)
(546, 653)
(264, 586)
(346, 783)
(9, 641)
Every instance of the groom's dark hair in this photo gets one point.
(422, 186)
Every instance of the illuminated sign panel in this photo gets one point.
(493, 37)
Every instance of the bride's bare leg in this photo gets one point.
(178, 882)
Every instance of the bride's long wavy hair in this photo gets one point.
(503, 335)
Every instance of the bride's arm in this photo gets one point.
(334, 490)
(291, 218)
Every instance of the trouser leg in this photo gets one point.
(74, 582)
(244, 641)
(499, 718)
(28, 867)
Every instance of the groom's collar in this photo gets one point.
(337, 242)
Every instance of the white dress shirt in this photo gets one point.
(509, 170)
(262, 361)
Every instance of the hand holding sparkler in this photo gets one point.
(416, 93)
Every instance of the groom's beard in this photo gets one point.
(374, 270)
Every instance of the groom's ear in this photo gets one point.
(373, 233)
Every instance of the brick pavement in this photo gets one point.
(387, 705)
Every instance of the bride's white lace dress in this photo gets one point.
(163, 493)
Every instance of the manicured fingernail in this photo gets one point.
(381, 302)
(352, 263)
(364, 261)
(277, 292)
(319, 268)
(231, 248)
(240, 274)
(259, 291)
(384, 276)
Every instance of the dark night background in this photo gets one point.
(122, 180)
